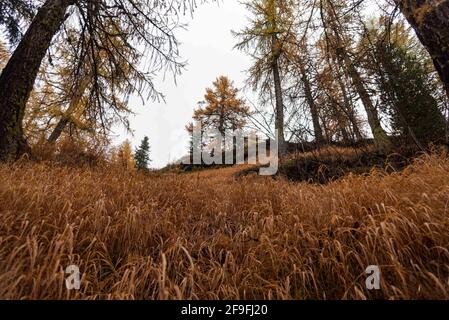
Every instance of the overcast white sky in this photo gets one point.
(207, 45)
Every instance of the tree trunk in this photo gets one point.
(57, 131)
(327, 136)
(345, 135)
(18, 77)
(381, 139)
(339, 117)
(348, 107)
(313, 108)
(3, 55)
(430, 19)
(73, 107)
(279, 121)
(349, 110)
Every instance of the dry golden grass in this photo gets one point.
(209, 235)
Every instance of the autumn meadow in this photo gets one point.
(348, 101)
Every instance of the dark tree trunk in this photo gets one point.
(345, 135)
(313, 108)
(57, 131)
(381, 139)
(349, 110)
(74, 107)
(279, 123)
(327, 135)
(18, 76)
(430, 19)
(341, 121)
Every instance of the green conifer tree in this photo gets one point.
(142, 155)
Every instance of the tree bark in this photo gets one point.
(348, 107)
(381, 139)
(430, 19)
(318, 132)
(279, 121)
(349, 110)
(73, 107)
(57, 131)
(18, 76)
(339, 117)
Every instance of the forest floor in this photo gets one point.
(219, 234)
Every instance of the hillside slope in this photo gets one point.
(210, 235)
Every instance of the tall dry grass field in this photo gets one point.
(209, 235)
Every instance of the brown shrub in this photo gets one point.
(71, 152)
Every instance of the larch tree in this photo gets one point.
(430, 20)
(348, 105)
(13, 13)
(143, 26)
(298, 66)
(264, 40)
(313, 107)
(332, 104)
(221, 111)
(334, 85)
(123, 158)
(73, 102)
(340, 45)
(222, 108)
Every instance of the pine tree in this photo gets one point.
(142, 155)
(402, 74)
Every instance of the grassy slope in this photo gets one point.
(210, 235)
